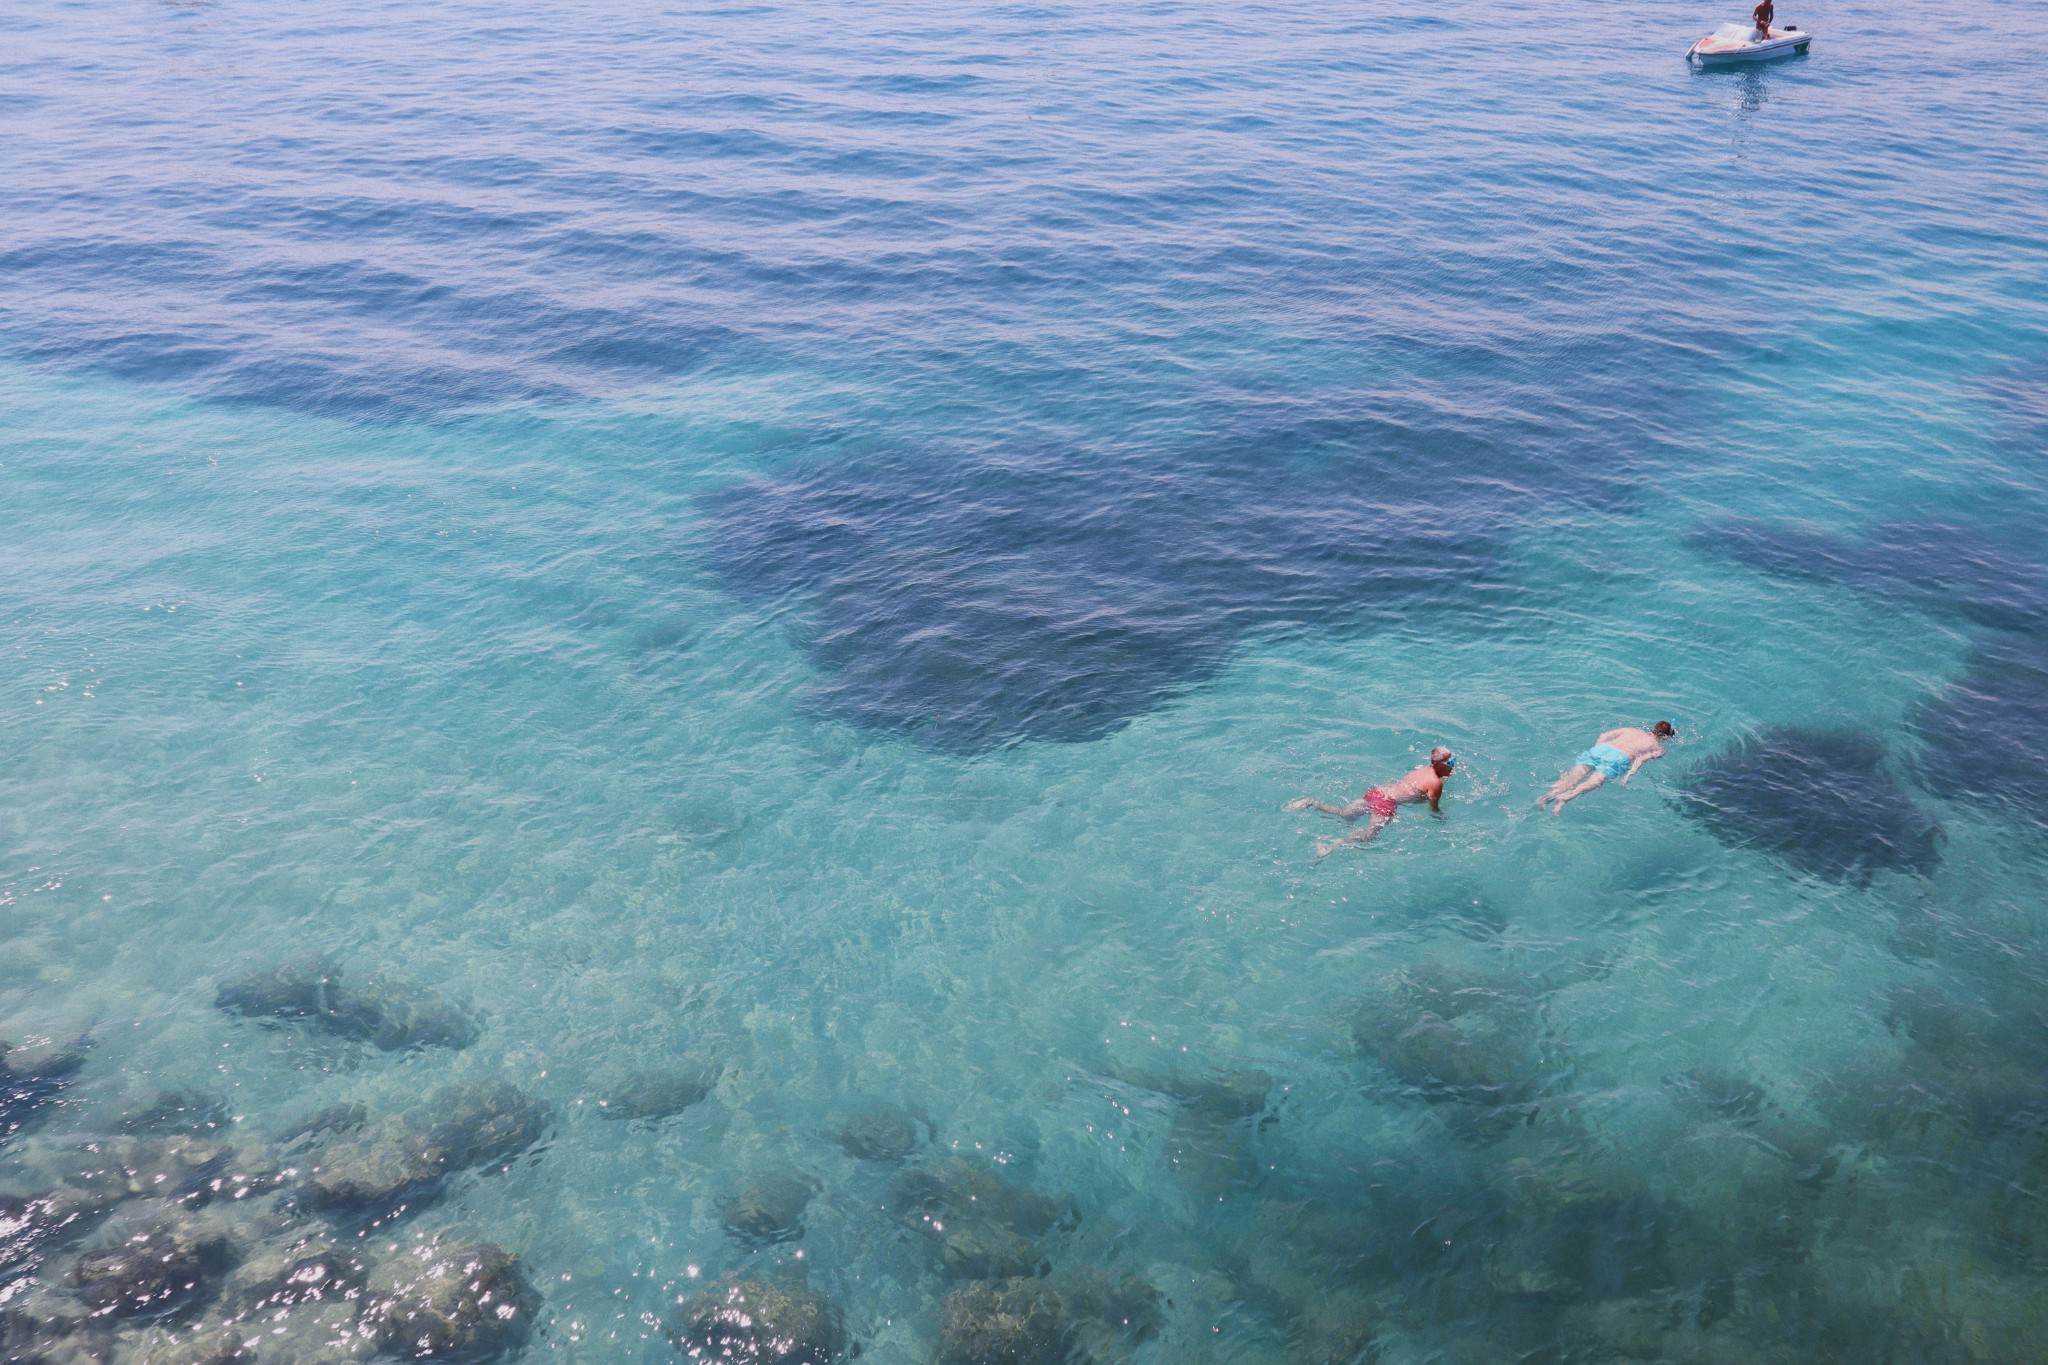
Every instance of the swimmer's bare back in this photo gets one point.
(1636, 743)
(1418, 784)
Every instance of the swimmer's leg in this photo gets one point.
(1350, 812)
(1576, 792)
(1363, 836)
(1564, 783)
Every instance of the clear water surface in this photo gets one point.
(812, 542)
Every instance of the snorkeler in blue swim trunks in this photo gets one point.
(1617, 754)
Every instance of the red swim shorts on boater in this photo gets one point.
(1380, 804)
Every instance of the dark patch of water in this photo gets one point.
(975, 603)
(347, 340)
(2021, 393)
(30, 1080)
(1821, 801)
(1933, 566)
(1984, 736)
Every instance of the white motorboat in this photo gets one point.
(1744, 43)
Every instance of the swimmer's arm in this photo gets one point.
(1436, 794)
(1639, 761)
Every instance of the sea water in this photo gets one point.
(813, 542)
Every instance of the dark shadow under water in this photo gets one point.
(1982, 735)
(974, 600)
(1821, 801)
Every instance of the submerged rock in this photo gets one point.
(1522, 1267)
(290, 990)
(767, 1208)
(659, 1093)
(981, 1252)
(171, 1111)
(952, 1193)
(1818, 800)
(335, 1118)
(288, 1274)
(1233, 1094)
(1667, 1328)
(1226, 1094)
(1126, 1308)
(1718, 1093)
(159, 1271)
(193, 1171)
(1634, 1329)
(310, 1332)
(1004, 1322)
(1207, 1148)
(479, 1125)
(1453, 991)
(377, 1171)
(1294, 1250)
(1580, 1222)
(1471, 1042)
(880, 1132)
(396, 1016)
(1946, 1028)
(31, 1339)
(1210, 1153)
(403, 1162)
(1969, 1062)
(1562, 1181)
(30, 1078)
(454, 1301)
(750, 1322)
(1487, 1068)
(1475, 1000)
(35, 1225)
(390, 1015)
(1338, 1328)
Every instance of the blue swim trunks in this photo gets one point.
(1609, 761)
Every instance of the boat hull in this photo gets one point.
(1779, 45)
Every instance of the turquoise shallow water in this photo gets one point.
(811, 544)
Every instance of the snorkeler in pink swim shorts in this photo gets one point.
(1425, 783)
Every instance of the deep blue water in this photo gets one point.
(785, 559)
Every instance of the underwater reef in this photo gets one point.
(1996, 587)
(389, 1015)
(1821, 801)
(1467, 1181)
(970, 599)
(2000, 700)
(165, 1247)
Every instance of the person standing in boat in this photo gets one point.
(1764, 13)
